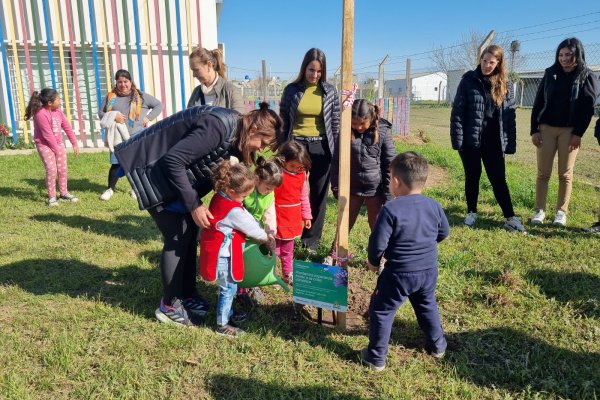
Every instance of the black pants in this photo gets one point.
(113, 176)
(178, 262)
(318, 181)
(493, 161)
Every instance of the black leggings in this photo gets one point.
(493, 161)
(178, 262)
(113, 176)
(318, 181)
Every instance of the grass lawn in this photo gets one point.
(79, 284)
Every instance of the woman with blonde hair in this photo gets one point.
(483, 130)
(214, 90)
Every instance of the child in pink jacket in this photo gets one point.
(48, 122)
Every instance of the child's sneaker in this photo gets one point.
(229, 330)
(470, 219)
(327, 260)
(514, 224)
(174, 314)
(108, 193)
(369, 364)
(538, 218)
(288, 278)
(68, 197)
(437, 355)
(52, 202)
(560, 219)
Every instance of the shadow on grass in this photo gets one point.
(580, 289)
(23, 194)
(130, 288)
(139, 228)
(506, 358)
(223, 386)
(75, 185)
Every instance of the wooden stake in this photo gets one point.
(344, 148)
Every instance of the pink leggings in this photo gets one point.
(54, 163)
(285, 251)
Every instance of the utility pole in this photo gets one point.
(407, 80)
(380, 85)
(486, 42)
(264, 80)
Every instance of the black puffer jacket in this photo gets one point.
(173, 159)
(292, 94)
(468, 111)
(583, 97)
(369, 163)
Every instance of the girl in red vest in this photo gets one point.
(292, 206)
(222, 243)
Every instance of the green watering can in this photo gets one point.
(259, 267)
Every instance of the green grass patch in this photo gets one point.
(79, 284)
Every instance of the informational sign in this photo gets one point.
(320, 285)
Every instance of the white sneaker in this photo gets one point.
(108, 193)
(560, 219)
(538, 218)
(470, 219)
(514, 224)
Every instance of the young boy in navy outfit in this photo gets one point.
(407, 232)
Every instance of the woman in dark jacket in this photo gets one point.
(483, 129)
(169, 166)
(372, 151)
(310, 110)
(562, 111)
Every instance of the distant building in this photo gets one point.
(424, 86)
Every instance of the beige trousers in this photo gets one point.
(555, 139)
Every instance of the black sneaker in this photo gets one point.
(196, 305)
(173, 314)
(593, 229)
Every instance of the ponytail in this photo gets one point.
(215, 57)
(39, 100)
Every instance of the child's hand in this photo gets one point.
(270, 242)
(372, 267)
(307, 223)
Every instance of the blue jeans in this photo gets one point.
(227, 289)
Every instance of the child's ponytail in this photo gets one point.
(39, 100)
(292, 150)
(268, 172)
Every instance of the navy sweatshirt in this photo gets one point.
(407, 232)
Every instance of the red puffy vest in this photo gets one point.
(212, 239)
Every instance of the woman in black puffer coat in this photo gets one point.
(310, 110)
(483, 129)
(372, 151)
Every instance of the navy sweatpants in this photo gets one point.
(393, 287)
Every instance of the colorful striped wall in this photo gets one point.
(75, 46)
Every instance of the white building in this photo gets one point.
(77, 50)
(424, 86)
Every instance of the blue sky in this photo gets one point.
(281, 31)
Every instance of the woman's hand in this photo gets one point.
(120, 118)
(76, 150)
(371, 267)
(536, 139)
(575, 142)
(307, 223)
(202, 216)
